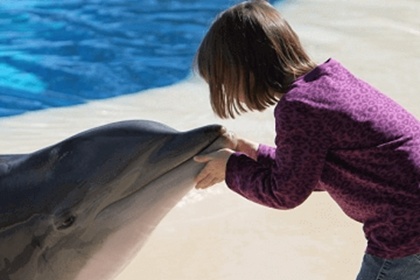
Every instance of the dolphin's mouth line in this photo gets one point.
(178, 165)
(156, 178)
(181, 163)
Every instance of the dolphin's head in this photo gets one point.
(82, 208)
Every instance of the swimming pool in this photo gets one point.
(61, 53)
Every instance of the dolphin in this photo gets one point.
(82, 209)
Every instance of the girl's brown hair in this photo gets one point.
(249, 58)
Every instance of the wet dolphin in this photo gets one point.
(81, 209)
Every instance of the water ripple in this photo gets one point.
(60, 53)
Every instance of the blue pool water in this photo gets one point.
(59, 53)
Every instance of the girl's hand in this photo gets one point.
(233, 142)
(215, 170)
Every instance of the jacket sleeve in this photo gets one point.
(283, 177)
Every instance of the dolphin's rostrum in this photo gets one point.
(81, 209)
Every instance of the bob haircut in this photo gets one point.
(249, 57)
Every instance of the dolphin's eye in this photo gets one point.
(67, 222)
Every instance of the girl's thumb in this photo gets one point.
(202, 158)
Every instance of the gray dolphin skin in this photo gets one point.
(83, 208)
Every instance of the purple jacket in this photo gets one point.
(338, 134)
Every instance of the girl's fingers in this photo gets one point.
(207, 179)
(233, 140)
(202, 176)
(203, 158)
(204, 182)
(207, 182)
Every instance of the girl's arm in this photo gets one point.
(284, 176)
(247, 147)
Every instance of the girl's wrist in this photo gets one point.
(248, 147)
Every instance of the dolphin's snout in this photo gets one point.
(223, 139)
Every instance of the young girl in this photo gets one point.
(334, 133)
